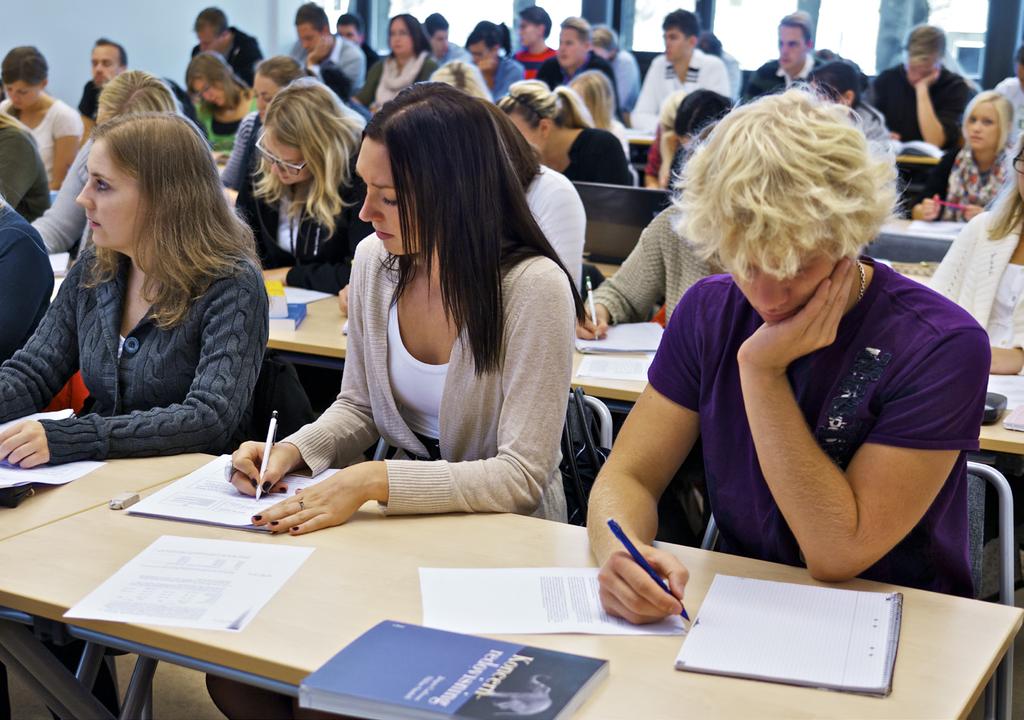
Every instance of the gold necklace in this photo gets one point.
(863, 281)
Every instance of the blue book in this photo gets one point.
(397, 670)
(296, 314)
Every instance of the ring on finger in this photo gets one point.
(302, 505)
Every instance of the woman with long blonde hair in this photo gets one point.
(131, 92)
(303, 201)
(165, 317)
(596, 91)
(23, 178)
(558, 124)
(224, 98)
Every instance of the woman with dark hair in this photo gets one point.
(697, 114)
(491, 48)
(844, 83)
(456, 303)
(408, 63)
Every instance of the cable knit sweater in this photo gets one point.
(500, 431)
(177, 390)
(661, 267)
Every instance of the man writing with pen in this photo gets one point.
(836, 400)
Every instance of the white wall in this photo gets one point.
(157, 34)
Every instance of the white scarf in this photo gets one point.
(393, 80)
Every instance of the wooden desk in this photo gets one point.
(926, 160)
(367, 571)
(319, 334)
(998, 439)
(50, 504)
(623, 390)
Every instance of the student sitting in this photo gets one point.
(836, 399)
(271, 75)
(970, 178)
(490, 46)
(239, 50)
(56, 127)
(64, 224)
(983, 272)
(658, 170)
(350, 27)
(166, 317)
(454, 307)
(796, 58)
(1012, 88)
(23, 179)
(442, 51)
(408, 63)
(624, 65)
(921, 99)
(108, 61)
(842, 82)
(559, 126)
(681, 67)
(575, 55)
(696, 117)
(225, 99)
(596, 92)
(465, 76)
(302, 203)
(534, 29)
(709, 44)
(332, 58)
(26, 280)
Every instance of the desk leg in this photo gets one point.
(140, 688)
(89, 665)
(60, 690)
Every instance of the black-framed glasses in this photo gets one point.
(287, 167)
(1018, 163)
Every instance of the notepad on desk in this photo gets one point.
(14, 476)
(608, 367)
(795, 634)
(624, 338)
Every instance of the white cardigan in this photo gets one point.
(971, 271)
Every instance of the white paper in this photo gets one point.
(611, 367)
(627, 337)
(206, 496)
(193, 583)
(1012, 386)
(302, 296)
(939, 228)
(527, 601)
(12, 476)
(802, 634)
(59, 263)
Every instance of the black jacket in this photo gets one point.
(896, 99)
(551, 72)
(319, 261)
(242, 56)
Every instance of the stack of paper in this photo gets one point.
(627, 337)
(302, 296)
(13, 476)
(193, 583)
(610, 367)
(526, 601)
(206, 496)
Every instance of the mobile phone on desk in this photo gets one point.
(1015, 420)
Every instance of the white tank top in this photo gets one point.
(417, 386)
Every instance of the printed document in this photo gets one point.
(627, 337)
(193, 583)
(302, 296)
(12, 475)
(529, 601)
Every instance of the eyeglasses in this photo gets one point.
(286, 167)
(1018, 164)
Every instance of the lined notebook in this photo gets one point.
(795, 634)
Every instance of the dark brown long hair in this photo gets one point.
(460, 200)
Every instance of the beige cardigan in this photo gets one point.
(971, 271)
(500, 432)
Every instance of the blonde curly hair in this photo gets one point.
(781, 179)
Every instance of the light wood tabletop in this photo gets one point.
(367, 571)
(927, 160)
(52, 503)
(997, 438)
(319, 334)
(622, 390)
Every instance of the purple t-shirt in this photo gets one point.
(908, 369)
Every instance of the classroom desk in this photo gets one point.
(318, 339)
(897, 242)
(53, 503)
(997, 438)
(926, 160)
(367, 571)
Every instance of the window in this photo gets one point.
(462, 15)
(647, 18)
(965, 24)
(748, 29)
(850, 30)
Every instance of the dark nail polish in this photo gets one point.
(257, 518)
(266, 486)
(294, 529)
(253, 482)
(273, 522)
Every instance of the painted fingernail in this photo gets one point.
(295, 529)
(273, 522)
(257, 518)
(281, 490)
(253, 482)
(266, 486)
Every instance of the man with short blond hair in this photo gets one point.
(575, 55)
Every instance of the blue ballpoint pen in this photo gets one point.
(631, 548)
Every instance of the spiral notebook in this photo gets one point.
(795, 634)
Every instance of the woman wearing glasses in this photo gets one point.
(983, 272)
(968, 179)
(225, 99)
(303, 201)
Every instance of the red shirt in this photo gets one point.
(533, 61)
